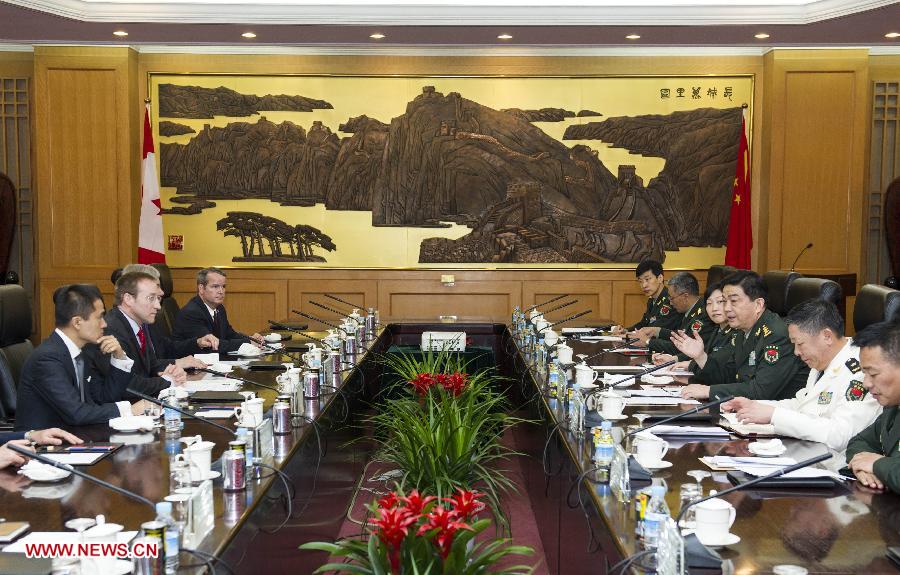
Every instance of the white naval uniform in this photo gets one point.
(821, 411)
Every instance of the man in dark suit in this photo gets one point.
(137, 302)
(77, 376)
(52, 436)
(204, 314)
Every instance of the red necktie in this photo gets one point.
(142, 339)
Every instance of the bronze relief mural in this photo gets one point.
(274, 178)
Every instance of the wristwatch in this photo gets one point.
(28, 436)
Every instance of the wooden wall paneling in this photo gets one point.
(302, 291)
(250, 302)
(429, 299)
(816, 173)
(593, 295)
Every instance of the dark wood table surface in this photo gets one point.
(825, 531)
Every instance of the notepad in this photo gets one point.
(80, 458)
(660, 401)
(223, 384)
(693, 430)
(215, 413)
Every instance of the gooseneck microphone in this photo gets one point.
(326, 308)
(697, 409)
(280, 327)
(754, 481)
(570, 318)
(65, 467)
(796, 259)
(551, 300)
(335, 298)
(643, 372)
(164, 405)
(622, 345)
(282, 351)
(322, 321)
(567, 304)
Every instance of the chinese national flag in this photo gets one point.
(150, 234)
(740, 233)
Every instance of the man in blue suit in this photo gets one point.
(77, 376)
(53, 436)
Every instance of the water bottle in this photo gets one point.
(562, 386)
(171, 417)
(604, 446)
(552, 379)
(576, 414)
(171, 536)
(656, 514)
(243, 434)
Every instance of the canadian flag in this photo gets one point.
(150, 234)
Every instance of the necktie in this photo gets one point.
(216, 325)
(142, 339)
(79, 374)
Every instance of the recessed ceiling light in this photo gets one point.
(376, 36)
(761, 36)
(633, 37)
(248, 35)
(120, 33)
(892, 35)
(504, 37)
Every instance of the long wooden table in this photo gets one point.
(827, 533)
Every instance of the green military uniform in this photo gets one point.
(695, 319)
(660, 313)
(719, 343)
(883, 438)
(761, 365)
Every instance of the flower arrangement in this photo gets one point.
(423, 534)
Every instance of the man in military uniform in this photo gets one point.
(684, 294)
(834, 406)
(762, 364)
(874, 454)
(660, 312)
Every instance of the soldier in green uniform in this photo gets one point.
(762, 364)
(684, 294)
(660, 312)
(874, 454)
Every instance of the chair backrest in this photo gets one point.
(805, 289)
(168, 306)
(15, 329)
(777, 283)
(717, 273)
(7, 392)
(875, 303)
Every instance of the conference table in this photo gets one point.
(844, 530)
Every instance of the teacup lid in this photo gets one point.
(647, 435)
(714, 503)
(583, 367)
(200, 446)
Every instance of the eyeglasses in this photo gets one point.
(149, 298)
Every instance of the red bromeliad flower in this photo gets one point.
(415, 503)
(389, 501)
(391, 528)
(466, 504)
(422, 383)
(455, 383)
(446, 523)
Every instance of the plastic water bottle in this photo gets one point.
(654, 517)
(577, 413)
(171, 417)
(552, 379)
(172, 535)
(604, 446)
(243, 434)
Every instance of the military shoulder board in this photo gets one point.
(853, 365)
(856, 391)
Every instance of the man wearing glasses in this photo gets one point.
(684, 295)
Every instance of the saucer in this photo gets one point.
(132, 423)
(619, 417)
(211, 475)
(273, 337)
(720, 540)
(656, 465)
(37, 471)
(755, 450)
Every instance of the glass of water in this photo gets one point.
(689, 493)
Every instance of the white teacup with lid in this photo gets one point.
(564, 353)
(714, 519)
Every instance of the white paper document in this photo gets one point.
(697, 430)
(660, 401)
(77, 458)
(218, 384)
(634, 350)
(674, 373)
(609, 338)
(577, 329)
(215, 413)
(619, 368)
(650, 391)
(61, 537)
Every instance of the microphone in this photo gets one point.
(559, 297)
(570, 318)
(754, 481)
(281, 350)
(230, 376)
(65, 467)
(322, 321)
(325, 307)
(277, 326)
(643, 372)
(352, 305)
(624, 344)
(809, 245)
(600, 329)
(561, 306)
(697, 409)
(164, 405)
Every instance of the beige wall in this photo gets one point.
(807, 175)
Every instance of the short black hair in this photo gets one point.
(74, 300)
(884, 334)
(812, 316)
(648, 265)
(751, 282)
(685, 282)
(115, 275)
(711, 288)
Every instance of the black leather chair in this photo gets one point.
(165, 320)
(805, 289)
(15, 328)
(875, 303)
(717, 273)
(778, 282)
(7, 396)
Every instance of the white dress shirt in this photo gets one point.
(827, 410)
(123, 364)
